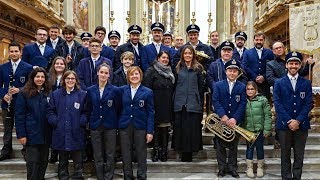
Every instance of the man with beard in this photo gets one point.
(292, 95)
(133, 45)
(254, 62)
(193, 35)
(85, 38)
(39, 53)
(19, 71)
(54, 38)
(71, 49)
(214, 44)
(240, 38)
(114, 39)
(107, 52)
(152, 50)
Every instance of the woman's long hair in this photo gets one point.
(52, 71)
(194, 63)
(31, 89)
(66, 74)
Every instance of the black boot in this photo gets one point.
(155, 154)
(164, 134)
(54, 156)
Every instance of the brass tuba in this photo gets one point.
(225, 132)
(201, 55)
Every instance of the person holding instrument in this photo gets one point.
(13, 76)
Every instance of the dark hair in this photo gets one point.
(93, 39)
(253, 84)
(54, 27)
(100, 28)
(30, 89)
(68, 29)
(103, 65)
(194, 63)
(259, 33)
(15, 44)
(52, 71)
(161, 53)
(42, 28)
(66, 74)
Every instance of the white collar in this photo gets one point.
(295, 76)
(136, 88)
(232, 82)
(95, 58)
(56, 40)
(38, 44)
(17, 62)
(258, 49)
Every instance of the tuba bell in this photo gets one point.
(201, 55)
(226, 133)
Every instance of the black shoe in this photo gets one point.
(4, 157)
(53, 159)
(221, 173)
(234, 174)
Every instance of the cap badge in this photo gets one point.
(294, 54)
(233, 62)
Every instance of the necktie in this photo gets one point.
(230, 87)
(158, 48)
(240, 52)
(53, 44)
(41, 47)
(293, 83)
(14, 67)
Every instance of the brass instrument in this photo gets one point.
(225, 132)
(201, 55)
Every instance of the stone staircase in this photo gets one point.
(204, 161)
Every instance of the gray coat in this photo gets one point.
(190, 85)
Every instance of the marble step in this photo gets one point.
(313, 139)
(311, 151)
(171, 166)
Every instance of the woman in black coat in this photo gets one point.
(160, 79)
(188, 104)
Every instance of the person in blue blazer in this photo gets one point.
(229, 102)
(13, 76)
(68, 117)
(153, 49)
(103, 102)
(87, 69)
(254, 62)
(136, 123)
(240, 40)
(54, 39)
(292, 96)
(39, 53)
(106, 51)
(120, 75)
(32, 127)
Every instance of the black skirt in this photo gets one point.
(187, 131)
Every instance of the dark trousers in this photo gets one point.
(7, 136)
(292, 139)
(36, 161)
(130, 136)
(258, 144)
(104, 146)
(63, 172)
(230, 164)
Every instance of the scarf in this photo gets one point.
(164, 71)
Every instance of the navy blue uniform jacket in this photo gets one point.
(291, 104)
(20, 78)
(151, 54)
(67, 116)
(233, 105)
(104, 110)
(139, 111)
(32, 55)
(31, 119)
(106, 52)
(87, 73)
(128, 47)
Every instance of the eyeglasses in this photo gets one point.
(70, 79)
(41, 34)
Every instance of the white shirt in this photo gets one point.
(59, 79)
(293, 80)
(70, 46)
(41, 47)
(231, 84)
(136, 48)
(54, 42)
(134, 91)
(94, 60)
(259, 51)
(194, 46)
(240, 51)
(15, 65)
(157, 45)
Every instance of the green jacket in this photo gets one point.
(258, 115)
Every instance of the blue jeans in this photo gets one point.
(258, 144)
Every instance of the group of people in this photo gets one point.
(55, 89)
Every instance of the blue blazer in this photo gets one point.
(139, 111)
(151, 54)
(87, 74)
(290, 104)
(119, 77)
(104, 110)
(128, 47)
(233, 105)
(106, 52)
(31, 54)
(20, 78)
(31, 119)
(60, 41)
(236, 54)
(67, 115)
(255, 66)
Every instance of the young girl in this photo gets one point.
(257, 120)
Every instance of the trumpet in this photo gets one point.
(201, 55)
(225, 132)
